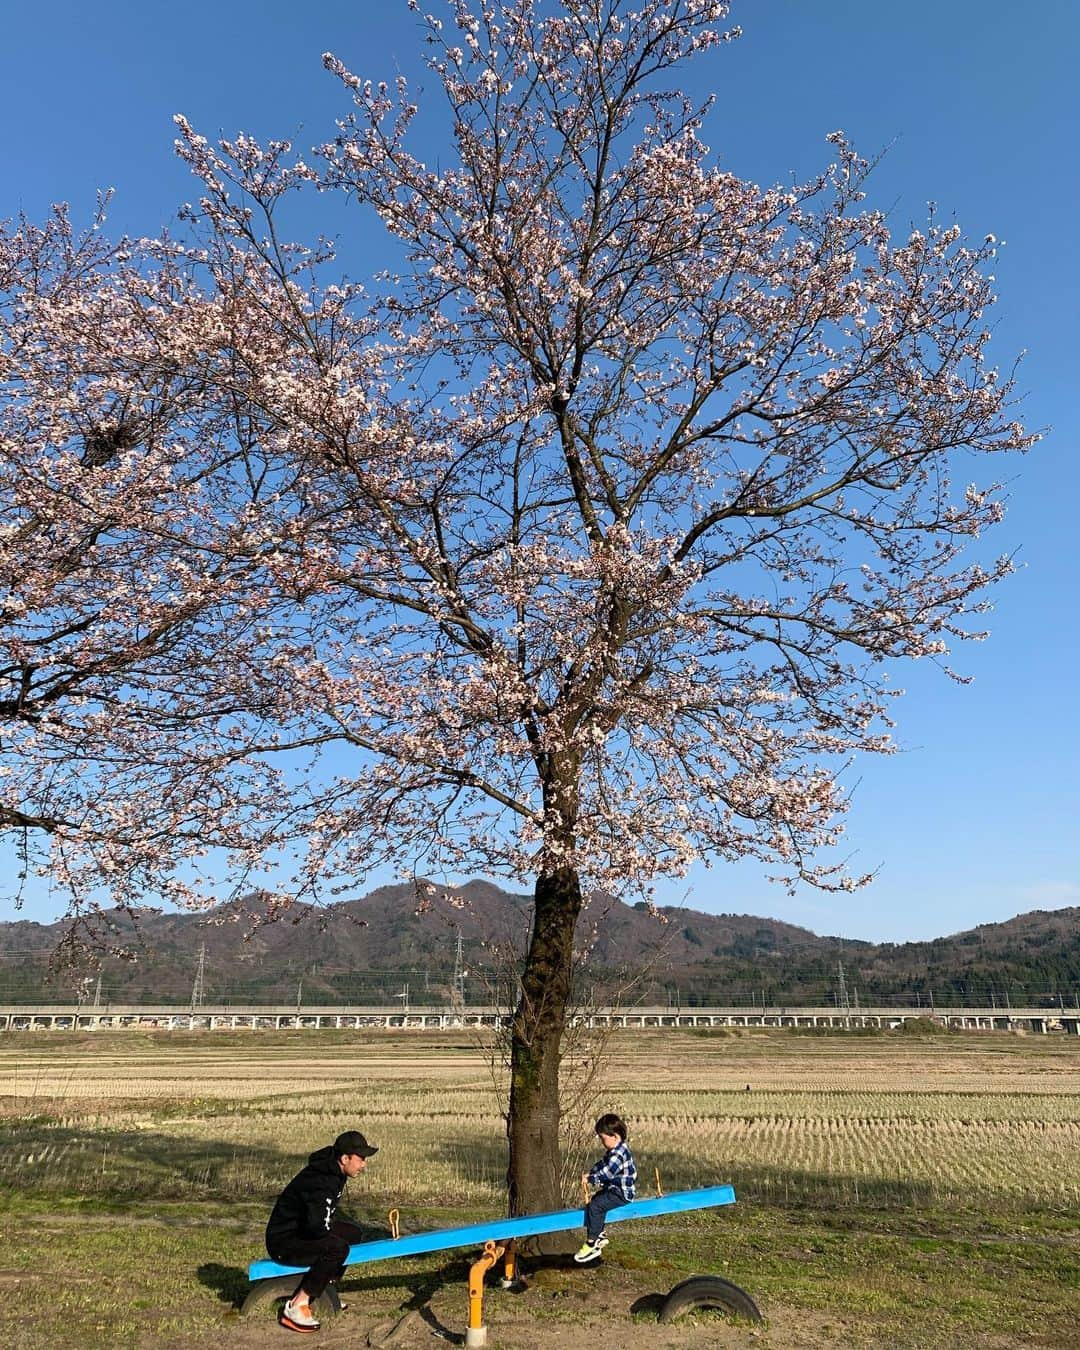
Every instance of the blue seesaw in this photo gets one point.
(271, 1280)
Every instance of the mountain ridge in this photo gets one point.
(366, 949)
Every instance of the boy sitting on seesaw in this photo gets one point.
(616, 1175)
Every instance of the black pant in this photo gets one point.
(325, 1254)
(597, 1209)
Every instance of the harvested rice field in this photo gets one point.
(891, 1190)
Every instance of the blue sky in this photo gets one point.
(975, 103)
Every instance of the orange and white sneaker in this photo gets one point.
(298, 1316)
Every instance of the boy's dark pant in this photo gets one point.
(597, 1209)
(325, 1255)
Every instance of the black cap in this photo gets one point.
(352, 1141)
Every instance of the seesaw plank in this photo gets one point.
(527, 1225)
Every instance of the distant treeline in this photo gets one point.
(1041, 982)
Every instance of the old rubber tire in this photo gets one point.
(708, 1291)
(263, 1293)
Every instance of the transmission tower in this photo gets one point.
(841, 989)
(459, 972)
(198, 988)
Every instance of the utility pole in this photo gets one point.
(97, 991)
(198, 988)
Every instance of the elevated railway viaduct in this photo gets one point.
(258, 1017)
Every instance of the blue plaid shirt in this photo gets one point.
(616, 1171)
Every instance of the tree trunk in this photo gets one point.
(536, 1047)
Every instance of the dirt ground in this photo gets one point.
(589, 1322)
(605, 1324)
(611, 1312)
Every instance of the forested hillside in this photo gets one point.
(396, 943)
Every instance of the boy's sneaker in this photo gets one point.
(299, 1317)
(601, 1241)
(588, 1251)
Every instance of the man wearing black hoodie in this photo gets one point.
(303, 1230)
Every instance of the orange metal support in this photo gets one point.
(476, 1332)
(509, 1275)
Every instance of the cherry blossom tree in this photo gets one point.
(122, 491)
(574, 546)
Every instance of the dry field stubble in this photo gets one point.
(868, 1170)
